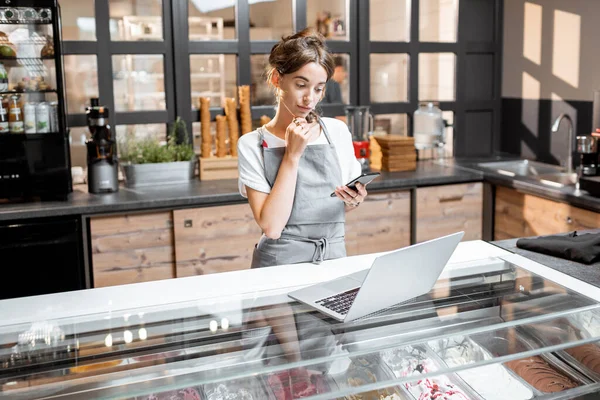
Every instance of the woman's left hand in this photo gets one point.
(352, 198)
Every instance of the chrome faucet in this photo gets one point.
(555, 126)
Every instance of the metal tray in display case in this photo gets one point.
(415, 360)
(492, 381)
(366, 370)
(545, 372)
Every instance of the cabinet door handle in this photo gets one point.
(449, 199)
(569, 220)
(188, 223)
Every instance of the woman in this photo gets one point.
(289, 167)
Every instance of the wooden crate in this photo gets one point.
(218, 168)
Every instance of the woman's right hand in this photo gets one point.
(297, 135)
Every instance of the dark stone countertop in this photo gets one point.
(209, 193)
(584, 272)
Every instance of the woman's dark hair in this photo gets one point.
(293, 52)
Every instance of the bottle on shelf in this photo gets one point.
(54, 125)
(15, 115)
(29, 15)
(29, 117)
(4, 128)
(42, 117)
(45, 15)
(11, 14)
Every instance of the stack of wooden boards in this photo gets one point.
(393, 153)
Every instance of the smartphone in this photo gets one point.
(364, 179)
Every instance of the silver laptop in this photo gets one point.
(393, 278)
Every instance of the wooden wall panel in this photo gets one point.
(381, 223)
(132, 248)
(214, 239)
(443, 210)
(521, 215)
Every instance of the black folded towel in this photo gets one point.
(580, 248)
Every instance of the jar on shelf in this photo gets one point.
(15, 115)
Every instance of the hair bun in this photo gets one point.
(312, 36)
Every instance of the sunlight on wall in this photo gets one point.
(530, 87)
(566, 47)
(530, 107)
(532, 33)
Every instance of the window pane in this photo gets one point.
(337, 90)
(136, 20)
(270, 20)
(329, 17)
(260, 92)
(142, 131)
(214, 76)
(80, 69)
(389, 20)
(211, 20)
(391, 124)
(436, 76)
(138, 82)
(77, 19)
(78, 136)
(389, 78)
(438, 20)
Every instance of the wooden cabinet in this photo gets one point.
(442, 210)
(214, 239)
(381, 223)
(520, 215)
(132, 248)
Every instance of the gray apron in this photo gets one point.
(315, 230)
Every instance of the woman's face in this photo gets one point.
(303, 89)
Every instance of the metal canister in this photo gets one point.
(54, 125)
(30, 110)
(42, 117)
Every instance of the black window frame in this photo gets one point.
(176, 49)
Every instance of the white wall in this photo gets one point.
(551, 49)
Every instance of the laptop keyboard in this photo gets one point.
(340, 303)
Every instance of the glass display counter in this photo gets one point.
(499, 332)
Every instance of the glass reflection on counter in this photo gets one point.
(236, 337)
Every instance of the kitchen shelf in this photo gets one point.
(5, 22)
(29, 91)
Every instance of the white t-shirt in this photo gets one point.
(251, 164)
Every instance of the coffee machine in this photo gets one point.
(103, 166)
(361, 125)
(588, 155)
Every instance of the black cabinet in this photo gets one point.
(41, 256)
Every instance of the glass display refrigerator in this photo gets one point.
(34, 139)
(492, 330)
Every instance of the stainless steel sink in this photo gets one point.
(560, 179)
(522, 168)
(547, 174)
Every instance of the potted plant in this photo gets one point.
(147, 162)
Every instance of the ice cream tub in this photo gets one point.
(298, 383)
(366, 370)
(419, 359)
(584, 358)
(491, 381)
(544, 373)
(251, 388)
